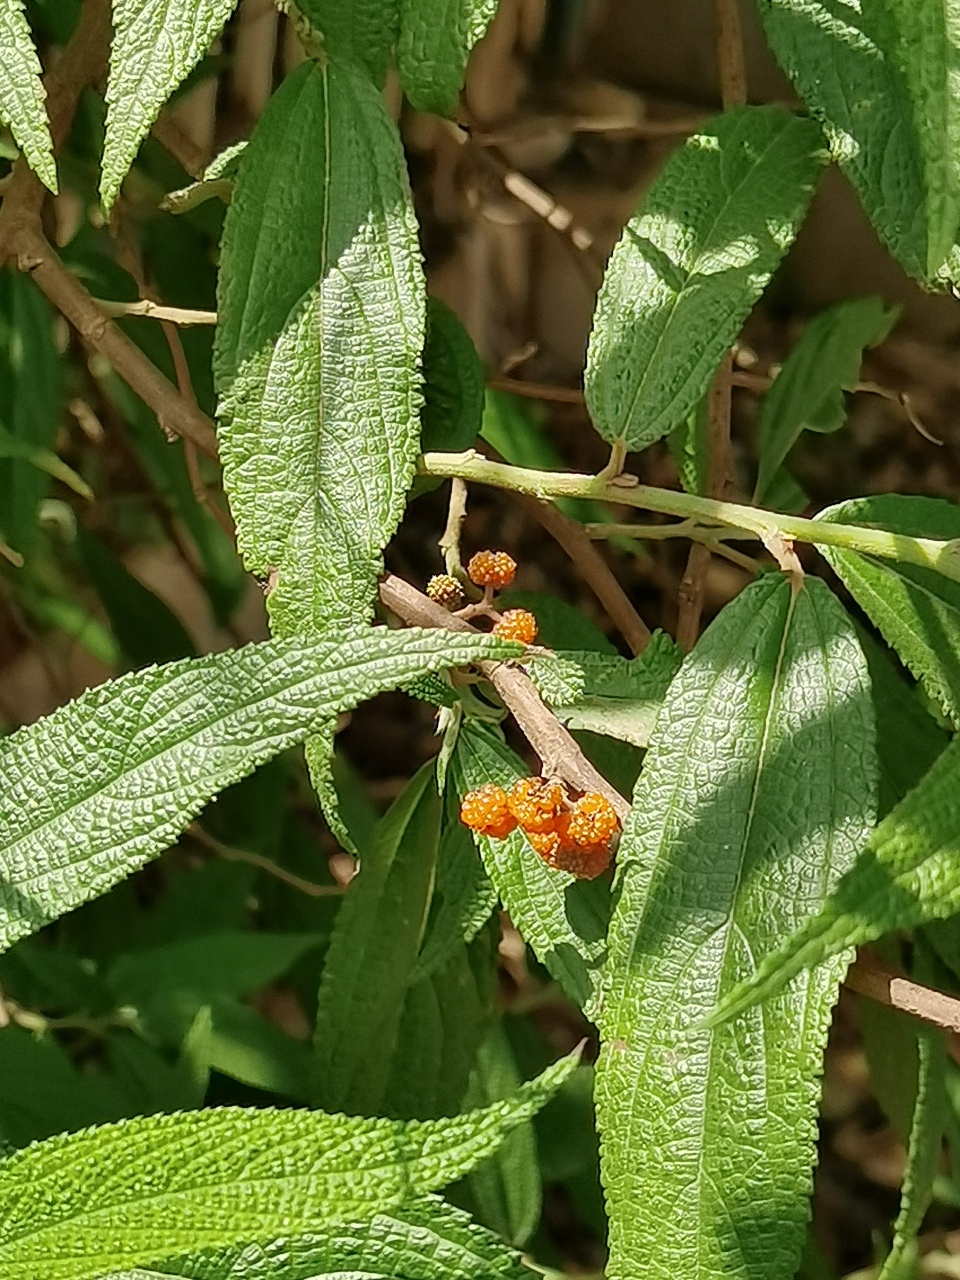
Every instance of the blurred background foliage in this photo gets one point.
(197, 979)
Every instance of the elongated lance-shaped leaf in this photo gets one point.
(881, 77)
(156, 44)
(564, 921)
(807, 394)
(757, 791)
(167, 1185)
(923, 1151)
(908, 873)
(31, 403)
(453, 383)
(22, 96)
(102, 785)
(916, 610)
(691, 263)
(423, 1239)
(507, 1189)
(322, 307)
(445, 1017)
(373, 951)
(436, 37)
(363, 30)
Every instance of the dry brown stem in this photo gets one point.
(870, 976)
(559, 752)
(594, 570)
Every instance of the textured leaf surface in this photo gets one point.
(156, 44)
(917, 611)
(923, 1151)
(322, 321)
(373, 951)
(102, 785)
(364, 30)
(506, 1190)
(622, 696)
(453, 383)
(166, 1185)
(807, 394)
(908, 737)
(881, 76)
(563, 920)
(756, 793)
(436, 37)
(22, 98)
(423, 1239)
(463, 897)
(691, 263)
(908, 873)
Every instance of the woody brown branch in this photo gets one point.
(83, 63)
(560, 753)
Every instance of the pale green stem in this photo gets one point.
(929, 553)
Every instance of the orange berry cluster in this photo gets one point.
(572, 837)
(517, 624)
(445, 590)
(492, 569)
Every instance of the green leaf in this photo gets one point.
(881, 78)
(443, 1023)
(364, 31)
(906, 876)
(453, 383)
(167, 1185)
(923, 1154)
(756, 793)
(563, 920)
(22, 95)
(562, 626)
(146, 629)
(31, 384)
(219, 963)
(436, 37)
(423, 1239)
(43, 1093)
(622, 696)
(908, 737)
(463, 897)
(43, 460)
(322, 305)
(518, 430)
(691, 263)
(373, 951)
(916, 610)
(506, 1190)
(156, 44)
(807, 394)
(105, 783)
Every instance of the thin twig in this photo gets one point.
(594, 570)
(175, 414)
(170, 134)
(450, 538)
(733, 71)
(231, 854)
(870, 976)
(693, 583)
(82, 63)
(559, 752)
(733, 92)
(536, 390)
(145, 307)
